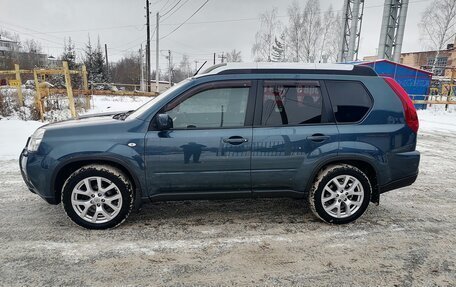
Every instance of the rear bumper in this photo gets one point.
(398, 183)
(404, 170)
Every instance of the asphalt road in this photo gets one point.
(409, 240)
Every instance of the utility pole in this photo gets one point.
(169, 68)
(157, 56)
(141, 68)
(214, 58)
(107, 63)
(148, 46)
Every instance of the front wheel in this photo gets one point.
(97, 197)
(340, 194)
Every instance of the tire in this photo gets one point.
(91, 207)
(340, 194)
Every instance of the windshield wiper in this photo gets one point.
(122, 116)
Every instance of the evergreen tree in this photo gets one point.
(278, 49)
(95, 63)
(69, 54)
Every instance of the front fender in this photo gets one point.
(128, 157)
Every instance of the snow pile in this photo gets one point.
(436, 119)
(14, 134)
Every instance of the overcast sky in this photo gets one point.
(120, 24)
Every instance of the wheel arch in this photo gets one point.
(66, 168)
(364, 164)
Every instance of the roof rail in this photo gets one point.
(289, 68)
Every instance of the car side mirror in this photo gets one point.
(163, 122)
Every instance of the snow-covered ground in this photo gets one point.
(436, 119)
(100, 104)
(14, 132)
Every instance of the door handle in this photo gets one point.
(318, 137)
(235, 140)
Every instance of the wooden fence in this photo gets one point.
(43, 91)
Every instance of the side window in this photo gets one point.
(219, 107)
(291, 104)
(349, 99)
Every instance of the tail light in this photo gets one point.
(411, 118)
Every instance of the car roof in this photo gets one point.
(289, 68)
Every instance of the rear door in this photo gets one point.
(294, 129)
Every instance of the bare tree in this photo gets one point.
(264, 39)
(185, 66)
(311, 30)
(234, 56)
(330, 35)
(335, 38)
(438, 23)
(32, 46)
(295, 31)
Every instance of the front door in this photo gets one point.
(209, 147)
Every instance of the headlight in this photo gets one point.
(35, 140)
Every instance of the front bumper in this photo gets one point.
(38, 183)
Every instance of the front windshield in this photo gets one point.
(139, 111)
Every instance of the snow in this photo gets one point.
(14, 134)
(436, 119)
(101, 104)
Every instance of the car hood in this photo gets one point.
(85, 121)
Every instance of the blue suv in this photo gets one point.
(337, 134)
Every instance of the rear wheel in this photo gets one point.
(97, 197)
(340, 194)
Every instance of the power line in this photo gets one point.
(166, 3)
(35, 32)
(258, 18)
(177, 9)
(95, 29)
(177, 3)
(194, 13)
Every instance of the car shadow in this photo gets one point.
(201, 212)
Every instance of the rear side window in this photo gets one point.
(291, 103)
(350, 100)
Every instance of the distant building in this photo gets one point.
(425, 59)
(8, 45)
(415, 82)
(53, 62)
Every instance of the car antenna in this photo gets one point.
(200, 68)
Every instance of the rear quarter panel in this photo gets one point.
(382, 135)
